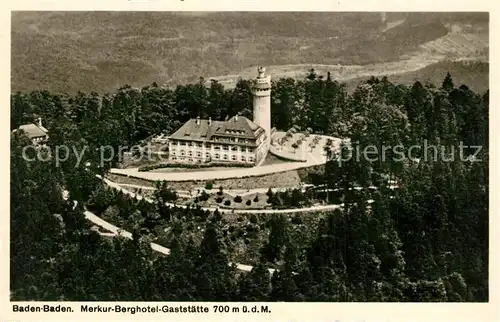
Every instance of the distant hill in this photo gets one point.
(393, 43)
(473, 74)
(101, 51)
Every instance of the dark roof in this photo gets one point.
(237, 126)
(32, 131)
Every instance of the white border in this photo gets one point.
(280, 311)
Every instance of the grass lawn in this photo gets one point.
(283, 179)
(193, 169)
(260, 204)
(136, 162)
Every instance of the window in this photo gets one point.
(207, 155)
(234, 158)
(243, 159)
(250, 159)
(250, 150)
(182, 152)
(182, 143)
(173, 152)
(173, 157)
(200, 145)
(225, 157)
(234, 148)
(198, 154)
(190, 153)
(217, 156)
(216, 147)
(225, 148)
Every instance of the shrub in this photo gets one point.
(256, 199)
(297, 220)
(248, 203)
(227, 203)
(238, 199)
(250, 229)
(269, 193)
(218, 200)
(204, 196)
(193, 166)
(217, 216)
(254, 219)
(209, 185)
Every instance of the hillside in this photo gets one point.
(101, 51)
(470, 73)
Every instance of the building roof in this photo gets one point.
(33, 131)
(237, 126)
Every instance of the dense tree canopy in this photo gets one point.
(427, 240)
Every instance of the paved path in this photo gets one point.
(217, 174)
(313, 159)
(121, 232)
(232, 192)
(196, 191)
(224, 210)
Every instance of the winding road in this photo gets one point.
(115, 231)
(116, 186)
(121, 232)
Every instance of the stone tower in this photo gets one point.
(262, 101)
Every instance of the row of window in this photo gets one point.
(233, 148)
(216, 147)
(230, 140)
(217, 156)
(190, 153)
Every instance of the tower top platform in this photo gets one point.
(261, 72)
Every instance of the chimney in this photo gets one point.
(198, 120)
(40, 122)
(210, 121)
(236, 118)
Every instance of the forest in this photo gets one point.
(425, 241)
